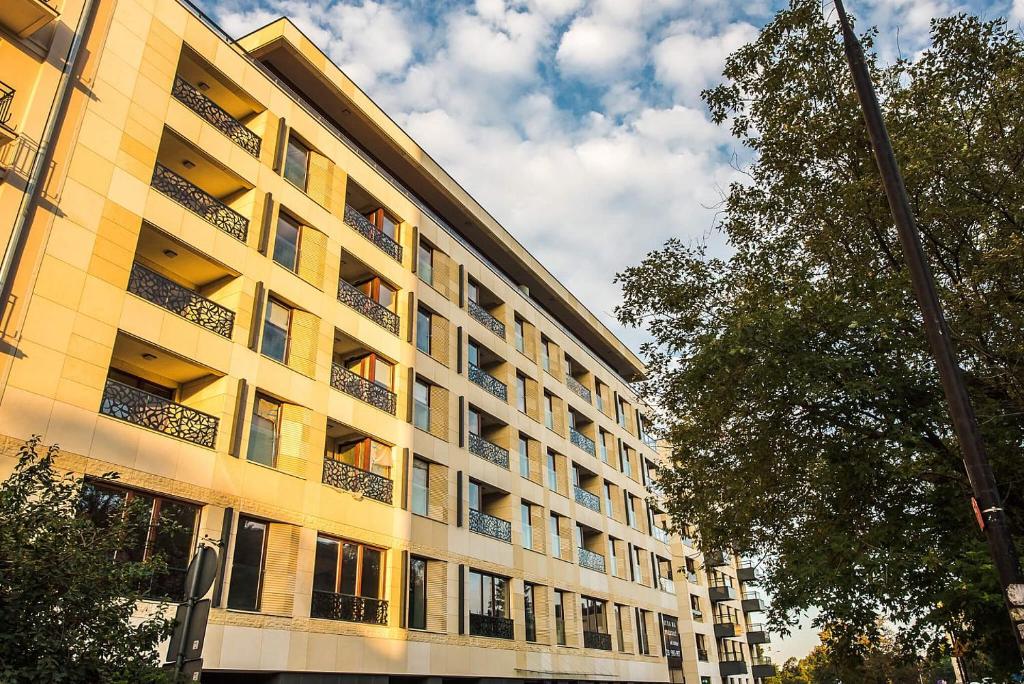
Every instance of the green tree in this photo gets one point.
(793, 375)
(65, 605)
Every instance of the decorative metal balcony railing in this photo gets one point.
(489, 451)
(331, 606)
(588, 499)
(367, 391)
(199, 202)
(597, 640)
(659, 534)
(590, 560)
(490, 526)
(577, 387)
(351, 296)
(234, 129)
(141, 408)
(582, 441)
(484, 317)
(491, 626)
(490, 383)
(6, 98)
(666, 585)
(369, 231)
(344, 476)
(180, 300)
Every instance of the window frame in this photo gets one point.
(340, 568)
(423, 466)
(276, 439)
(424, 600)
(285, 217)
(273, 302)
(424, 326)
(294, 140)
(261, 570)
(419, 407)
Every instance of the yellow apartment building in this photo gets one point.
(231, 278)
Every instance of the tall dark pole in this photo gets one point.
(979, 472)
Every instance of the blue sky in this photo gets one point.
(577, 123)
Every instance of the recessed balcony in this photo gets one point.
(590, 542)
(490, 526)
(579, 427)
(491, 626)
(591, 560)
(329, 605)
(365, 215)
(489, 451)
(356, 463)
(365, 292)
(25, 17)
(752, 602)
(483, 307)
(193, 98)
(577, 379)
(587, 499)
(757, 634)
(487, 437)
(363, 374)
(599, 640)
(180, 300)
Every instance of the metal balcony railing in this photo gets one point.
(369, 231)
(588, 499)
(490, 383)
(235, 130)
(352, 479)
(590, 560)
(489, 451)
(582, 441)
(490, 526)
(6, 98)
(199, 202)
(599, 640)
(577, 387)
(484, 317)
(351, 296)
(331, 606)
(180, 300)
(366, 391)
(141, 408)
(491, 626)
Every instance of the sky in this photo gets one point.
(578, 124)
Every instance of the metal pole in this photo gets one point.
(965, 424)
(193, 589)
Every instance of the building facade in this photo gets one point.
(244, 288)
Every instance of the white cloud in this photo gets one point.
(599, 50)
(688, 61)
(1017, 11)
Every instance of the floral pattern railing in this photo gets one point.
(344, 476)
(491, 626)
(588, 499)
(351, 296)
(577, 387)
(331, 606)
(141, 408)
(369, 231)
(199, 202)
(590, 560)
(582, 441)
(489, 451)
(490, 383)
(367, 391)
(180, 300)
(597, 640)
(484, 317)
(188, 95)
(490, 526)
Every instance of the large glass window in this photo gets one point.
(613, 556)
(373, 368)
(549, 412)
(384, 222)
(169, 534)
(296, 163)
(286, 243)
(488, 594)
(420, 486)
(556, 540)
(380, 292)
(552, 472)
(520, 335)
(425, 263)
(417, 593)
(247, 564)
(524, 509)
(545, 354)
(530, 610)
(643, 646)
(524, 457)
(608, 497)
(630, 511)
(619, 621)
(595, 618)
(366, 454)
(560, 617)
(602, 444)
(348, 567)
(521, 392)
(421, 405)
(264, 431)
(423, 330)
(275, 330)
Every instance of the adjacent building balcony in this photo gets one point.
(352, 479)
(599, 640)
(491, 626)
(726, 629)
(752, 602)
(719, 590)
(331, 606)
(7, 134)
(745, 572)
(577, 387)
(659, 534)
(180, 300)
(154, 412)
(484, 317)
(490, 526)
(730, 668)
(717, 559)
(356, 463)
(762, 667)
(25, 17)
(381, 240)
(366, 391)
(363, 291)
(667, 585)
(490, 383)
(587, 499)
(590, 560)
(212, 113)
(757, 634)
(489, 451)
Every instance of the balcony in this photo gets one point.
(489, 526)
(698, 615)
(491, 626)
(488, 451)
(490, 383)
(757, 634)
(7, 133)
(717, 559)
(207, 109)
(587, 499)
(590, 560)
(729, 668)
(153, 412)
(721, 592)
(25, 17)
(762, 667)
(484, 317)
(371, 485)
(667, 585)
(746, 573)
(180, 300)
(691, 577)
(200, 203)
(659, 534)
(725, 630)
(362, 225)
(366, 391)
(598, 640)
(582, 441)
(752, 602)
(577, 387)
(331, 606)
(350, 296)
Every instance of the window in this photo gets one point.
(530, 611)
(630, 512)
(627, 467)
(373, 368)
(520, 335)
(556, 540)
(560, 617)
(488, 594)
(473, 353)
(296, 163)
(642, 644)
(420, 486)
(695, 610)
(608, 497)
(613, 556)
(702, 648)
(275, 331)
(139, 383)
(521, 392)
(286, 243)
(474, 496)
(379, 291)
(527, 526)
(638, 563)
(545, 354)
(247, 564)
(620, 412)
(599, 394)
(594, 615)
(348, 567)
(549, 412)
(423, 325)
(384, 222)
(619, 621)
(552, 472)
(263, 433)
(524, 457)
(421, 405)
(366, 454)
(472, 291)
(169, 535)
(417, 593)
(425, 263)
(473, 420)
(602, 444)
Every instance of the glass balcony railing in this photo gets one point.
(366, 391)
(180, 300)
(351, 296)
(489, 451)
(490, 383)
(235, 131)
(659, 534)
(352, 479)
(331, 606)
(199, 202)
(484, 318)
(582, 441)
(369, 231)
(577, 387)
(666, 585)
(488, 525)
(141, 408)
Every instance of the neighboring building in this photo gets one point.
(246, 290)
